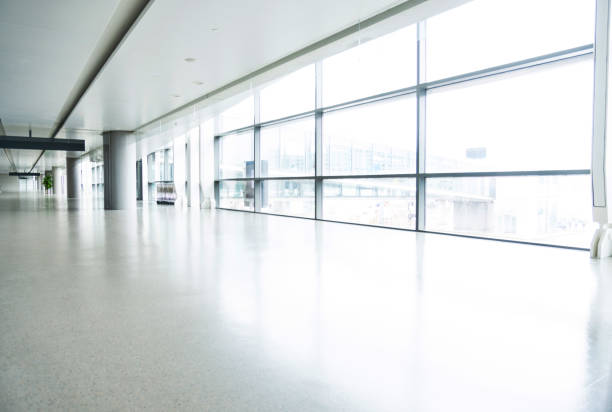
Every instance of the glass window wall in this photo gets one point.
(236, 156)
(540, 209)
(372, 67)
(287, 149)
(375, 138)
(288, 197)
(485, 33)
(241, 114)
(493, 140)
(533, 119)
(379, 202)
(290, 95)
(237, 195)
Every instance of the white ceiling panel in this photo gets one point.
(228, 39)
(43, 48)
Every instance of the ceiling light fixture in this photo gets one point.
(190, 59)
(176, 95)
(198, 83)
(214, 29)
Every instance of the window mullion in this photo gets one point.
(318, 142)
(258, 184)
(421, 121)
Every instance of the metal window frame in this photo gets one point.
(257, 155)
(420, 90)
(516, 173)
(421, 123)
(318, 140)
(550, 58)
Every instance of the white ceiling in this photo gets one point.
(139, 82)
(44, 46)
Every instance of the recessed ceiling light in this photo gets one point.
(190, 59)
(176, 95)
(198, 83)
(214, 29)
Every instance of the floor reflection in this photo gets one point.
(238, 311)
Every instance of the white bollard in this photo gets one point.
(601, 245)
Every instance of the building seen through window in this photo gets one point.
(492, 140)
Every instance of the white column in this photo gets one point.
(85, 175)
(207, 164)
(601, 245)
(57, 180)
(187, 169)
(119, 170)
(608, 154)
(73, 178)
(194, 167)
(145, 179)
(179, 169)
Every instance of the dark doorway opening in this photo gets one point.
(139, 180)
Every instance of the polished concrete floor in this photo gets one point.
(168, 309)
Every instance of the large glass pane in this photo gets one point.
(236, 156)
(288, 197)
(240, 115)
(487, 33)
(373, 67)
(381, 202)
(536, 119)
(292, 94)
(372, 138)
(541, 209)
(236, 195)
(287, 149)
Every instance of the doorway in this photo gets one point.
(139, 179)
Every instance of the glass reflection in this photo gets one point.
(456, 43)
(287, 149)
(380, 202)
(236, 156)
(289, 197)
(541, 209)
(373, 67)
(371, 139)
(237, 195)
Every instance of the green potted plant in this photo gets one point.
(47, 182)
